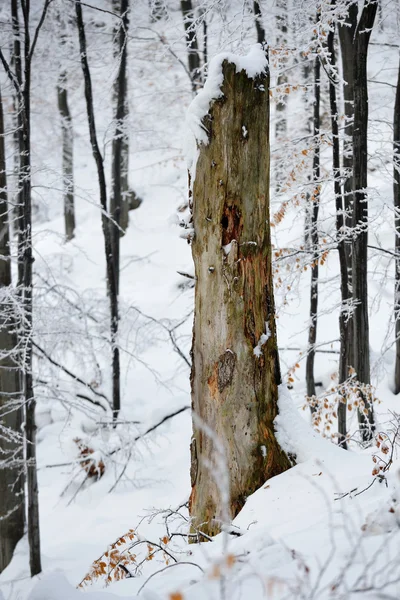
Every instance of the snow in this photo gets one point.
(264, 337)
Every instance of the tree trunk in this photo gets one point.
(67, 156)
(111, 275)
(281, 27)
(396, 198)
(344, 289)
(360, 213)
(235, 367)
(191, 43)
(26, 258)
(12, 508)
(346, 38)
(120, 145)
(261, 38)
(313, 235)
(120, 201)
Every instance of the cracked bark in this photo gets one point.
(234, 391)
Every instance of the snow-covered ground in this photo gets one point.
(315, 531)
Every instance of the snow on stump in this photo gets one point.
(235, 373)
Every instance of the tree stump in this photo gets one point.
(235, 368)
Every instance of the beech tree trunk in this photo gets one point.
(121, 196)
(396, 198)
(120, 144)
(12, 508)
(105, 222)
(313, 236)
(344, 288)
(360, 213)
(192, 44)
(22, 82)
(235, 366)
(67, 156)
(346, 38)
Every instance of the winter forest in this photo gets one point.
(199, 299)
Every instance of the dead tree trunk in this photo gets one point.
(12, 508)
(67, 135)
(313, 235)
(110, 265)
(344, 288)
(360, 214)
(396, 198)
(235, 367)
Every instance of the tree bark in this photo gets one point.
(121, 196)
(261, 37)
(396, 198)
(281, 27)
(111, 274)
(346, 38)
(344, 288)
(192, 44)
(12, 507)
(235, 366)
(120, 144)
(67, 156)
(313, 235)
(360, 212)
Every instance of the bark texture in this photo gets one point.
(313, 235)
(120, 193)
(235, 370)
(396, 198)
(344, 288)
(11, 449)
(120, 145)
(67, 136)
(346, 38)
(192, 44)
(360, 212)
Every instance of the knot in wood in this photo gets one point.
(226, 368)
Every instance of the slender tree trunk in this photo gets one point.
(11, 448)
(111, 275)
(27, 260)
(312, 332)
(344, 289)
(120, 145)
(67, 156)
(121, 197)
(346, 38)
(261, 38)
(22, 84)
(235, 367)
(281, 27)
(396, 198)
(192, 44)
(360, 213)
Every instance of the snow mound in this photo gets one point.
(295, 436)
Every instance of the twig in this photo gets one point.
(72, 375)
